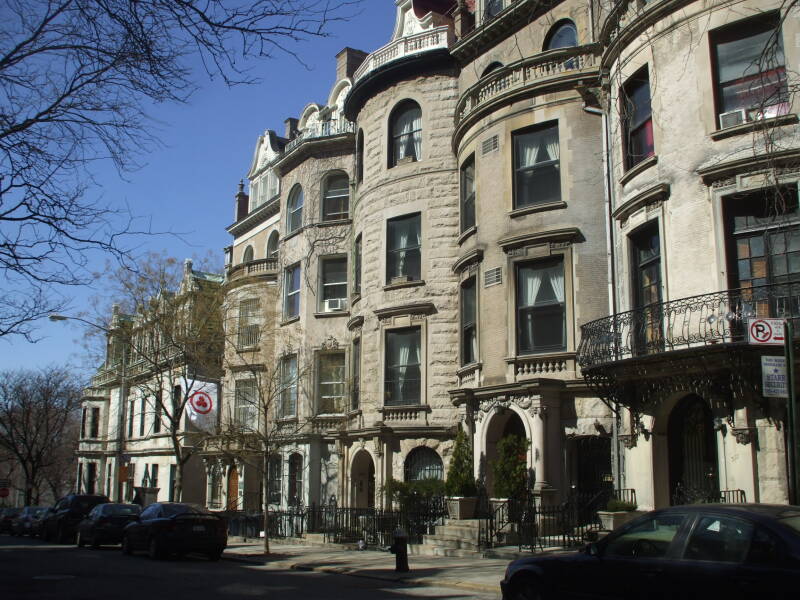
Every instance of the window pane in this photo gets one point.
(650, 539)
(403, 245)
(719, 539)
(541, 322)
(289, 386)
(402, 374)
(331, 383)
(564, 37)
(469, 350)
(468, 194)
(336, 202)
(406, 133)
(536, 165)
(334, 278)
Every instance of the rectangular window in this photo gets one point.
(274, 477)
(94, 426)
(173, 472)
(157, 414)
(646, 271)
(750, 70)
(541, 307)
(249, 330)
(402, 375)
(637, 119)
(288, 396)
(291, 298)
(355, 390)
(91, 477)
(245, 403)
(330, 383)
(468, 194)
(357, 266)
(335, 204)
(537, 176)
(109, 480)
(469, 326)
(333, 280)
(131, 407)
(81, 486)
(83, 422)
(154, 476)
(142, 412)
(403, 249)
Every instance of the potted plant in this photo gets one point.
(510, 469)
(460, 485)
(617, 512)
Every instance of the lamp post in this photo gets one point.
(122, 395)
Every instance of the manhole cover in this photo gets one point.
(53, 577)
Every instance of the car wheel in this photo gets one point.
(528, 588)
(126, 545)
(80, 541)
(154, 549)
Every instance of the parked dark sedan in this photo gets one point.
(7, 516)
(104, 524)
(698, 551)
(24, 523)
(166, 528)
(62, 520)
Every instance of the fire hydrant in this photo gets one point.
(400, 550)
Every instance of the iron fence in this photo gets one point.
(716, 318)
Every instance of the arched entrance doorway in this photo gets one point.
(233, 488)
(362, 481)
(504, 423)
(692, 446)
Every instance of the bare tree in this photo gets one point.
(38, 419)
(76, 77)
(168, 331)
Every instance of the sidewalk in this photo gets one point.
(477, 574)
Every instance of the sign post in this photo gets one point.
(788, 349)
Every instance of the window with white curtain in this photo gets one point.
(245, 399)
(330, 383)
(288, 387)
(537, 176)
(295, 205)
(469, 328)
(291, 298)
(335, 204)
(403, 248)
(403, 374)
(541, 307)
(406, 128)
(333, 279)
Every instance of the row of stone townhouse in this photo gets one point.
(544, 219)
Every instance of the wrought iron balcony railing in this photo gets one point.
(716, 318)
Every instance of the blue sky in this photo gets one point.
(188, 185)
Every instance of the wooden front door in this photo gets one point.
(233, 488)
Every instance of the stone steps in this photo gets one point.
(425, 550)
(456, 538)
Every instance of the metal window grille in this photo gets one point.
(249, 332)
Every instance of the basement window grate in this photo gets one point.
(493, 277)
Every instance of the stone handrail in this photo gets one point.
(522, 74)
(254, 267)
(438, 37)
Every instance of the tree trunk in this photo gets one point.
(265, 485)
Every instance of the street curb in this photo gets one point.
(444, 582)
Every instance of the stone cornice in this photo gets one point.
(258, 216)
(568, 234)
(653, 194)
(473, 256)
(748, 164)
(416, 308)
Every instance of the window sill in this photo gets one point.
(404, 408)
(467, 234)
(248, 349)
(333, 313)
(353, 413)
(290, 320)
(637, 169)
(534, 208)
(752, 126)
(403, 284)
(292, 234)
(333, 223)
(288, 419)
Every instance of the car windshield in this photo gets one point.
(123, 509)
(88, 503)
(171, 510)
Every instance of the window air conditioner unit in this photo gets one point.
(732, 118)
(334, 304)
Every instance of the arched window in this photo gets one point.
(295, 206)
(248, 254)
(491, 68)
(295, 480)
(336, 200)
(562, 35)
(423, 463)
(272, 245)
(405, 125)
(360, 157)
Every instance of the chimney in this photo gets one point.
(291, 128)
(242, 203)
(347, 61)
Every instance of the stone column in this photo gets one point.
(538, 441)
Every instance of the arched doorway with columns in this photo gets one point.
(362, 480)
(502, 422)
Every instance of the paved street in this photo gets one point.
(31, 569)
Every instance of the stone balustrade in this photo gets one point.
(433, 39)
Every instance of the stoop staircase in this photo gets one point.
(456, 537)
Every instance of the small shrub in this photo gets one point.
(510, 468)
(409, 494)
(615, 505)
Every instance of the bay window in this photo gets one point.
(537, 176)
(402, 374)
(541, 313)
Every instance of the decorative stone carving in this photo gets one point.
(628, 439)
(743, 435)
